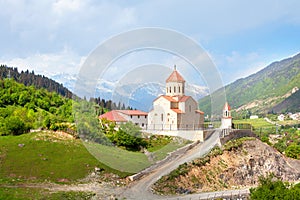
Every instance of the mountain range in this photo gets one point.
(141, 98)
(273, 89)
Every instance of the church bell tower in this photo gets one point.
(226, 117)
(175, 84)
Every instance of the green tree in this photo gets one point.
(129, 136)
(273, 188)
(15, 126)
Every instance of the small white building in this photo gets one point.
(226, 122)
(295, 116)
(253, 117)
(122, 116)
(174, 110)
(281, 117)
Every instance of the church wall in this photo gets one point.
(190, 119)
(226, 123)
(162, 117)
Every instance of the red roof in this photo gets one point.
(113, 115)
(132, 112)
(171, 99)
(175, 77)
(199, 111)
(227, 106)
(177, 110)
(184, 98)
(116, 115)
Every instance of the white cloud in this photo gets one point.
(65, 61)
(62, 6)
(212, 18)
(47, 27)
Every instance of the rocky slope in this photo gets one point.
(238, 167)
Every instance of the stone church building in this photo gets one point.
(175, 110)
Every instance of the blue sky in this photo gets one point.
(56, 36)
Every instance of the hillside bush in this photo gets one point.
(271, 187)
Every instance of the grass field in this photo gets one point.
(49, 157)
(28, 157)
(36, 193)
(119, 159)
(256, 123)
(163, 152)
(39, 157)
(288, 122)
(132, 162)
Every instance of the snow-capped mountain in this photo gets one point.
(133, 95)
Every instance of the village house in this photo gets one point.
(122, 116)
(281, 117)
(175, 110)
(295, 116)
(253, 117)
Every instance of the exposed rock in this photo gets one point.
(233, 169)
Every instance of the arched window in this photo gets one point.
(170, 89)
(174, 89)
(179, 89)
(162, 117)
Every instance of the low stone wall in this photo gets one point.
(207, 133)
(171, 155)
(237, 134)
(193, 135)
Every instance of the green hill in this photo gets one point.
(24, 107)
(261, 91)
(290, 104)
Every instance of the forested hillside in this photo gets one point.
(264, 89)
(29, 78)
(24, 107)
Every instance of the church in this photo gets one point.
(175, 110)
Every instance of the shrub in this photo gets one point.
(293, 151)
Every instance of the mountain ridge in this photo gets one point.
(141, 98)
(30, 78)
(275, 80)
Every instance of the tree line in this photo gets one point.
(107, 105)
(29, 78)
